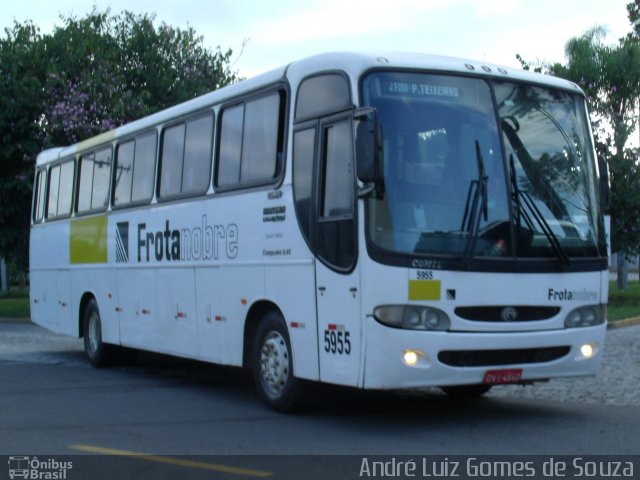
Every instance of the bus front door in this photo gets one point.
(337, 272)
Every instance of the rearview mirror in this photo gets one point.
(369, 148)
(605, 184)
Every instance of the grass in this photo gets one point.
(14, 304)
(622, 303)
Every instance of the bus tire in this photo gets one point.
(272, 365)
(466, 391)
(98, 353)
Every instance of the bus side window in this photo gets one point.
(85, 183)
(60, 190)
(321, 95)
(172, 156)
(101, 175)
(134, 170)
(260, 143)
(65, 190)
(196, 169)
(304, 142)
(38, 211)
(251, 143)
(186, 157)
(54, 184)
(123, 173)
(338, 178)
(93, 181)
(230, 146)
(144, 167)
(336, 228)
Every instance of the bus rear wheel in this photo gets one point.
(273, 365)
(98, 353)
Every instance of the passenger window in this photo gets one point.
(303, 151)
(172, 156)
(251, 142)
(197, 155)
(230, 146)
(322, 94)
(338, 174)
(60, 190)
(186, 157)
(135, 168)
(336, 232)
(144, 167)
(54, 185)
(86, 183)
(124, 173)
(38, 211)
(260, 144)
(101, 175)
(93, 184)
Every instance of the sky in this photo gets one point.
(275, 32)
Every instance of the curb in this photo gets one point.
(627, 322)
(15, 320)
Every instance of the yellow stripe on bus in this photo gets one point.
(88, 243)
(424, 289)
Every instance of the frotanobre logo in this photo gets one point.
(38, 469)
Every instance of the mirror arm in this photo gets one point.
(366, 189)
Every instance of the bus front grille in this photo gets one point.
(506, 313)
(485, 358)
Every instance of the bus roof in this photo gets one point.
(352, 63)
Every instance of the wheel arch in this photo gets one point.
(256, 312)
(84, 301)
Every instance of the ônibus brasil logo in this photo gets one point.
(35, 468)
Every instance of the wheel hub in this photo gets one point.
(94, 332)
(274, 362)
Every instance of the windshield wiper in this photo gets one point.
(475, 208)
(536, 213)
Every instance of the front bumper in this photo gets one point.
(385, 368)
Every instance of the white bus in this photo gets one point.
(385, 221)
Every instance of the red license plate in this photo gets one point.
(498, 377)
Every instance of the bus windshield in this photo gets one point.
(463, 180)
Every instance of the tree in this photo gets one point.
(21, 75)
(88, 76)
(633, 10)
(610, 78)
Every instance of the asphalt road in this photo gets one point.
(53, 403)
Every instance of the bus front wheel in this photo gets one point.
(273, 365)
(99, 353)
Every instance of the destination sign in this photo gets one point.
(422, 89)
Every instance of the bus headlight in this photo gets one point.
(412, 317)
(586, 316)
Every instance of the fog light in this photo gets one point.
(410, 357)
(587, 350)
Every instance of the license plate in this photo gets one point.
(497, 377)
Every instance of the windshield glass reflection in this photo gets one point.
(443, 170)
(449, 190)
